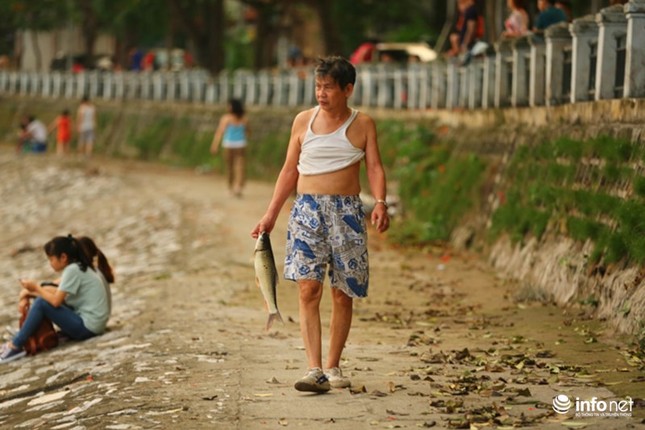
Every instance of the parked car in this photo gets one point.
(404, 52)
(78, 62)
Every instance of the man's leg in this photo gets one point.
(314, 380)
(309, 310)
(341, 321)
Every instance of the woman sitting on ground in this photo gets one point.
(101, 264)
(79, 305)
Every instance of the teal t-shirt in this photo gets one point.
(86, 295)
(551, 15)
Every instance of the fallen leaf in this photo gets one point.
(213, 397)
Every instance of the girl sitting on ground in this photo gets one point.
(79, 305)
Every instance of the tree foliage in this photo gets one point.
(207, 29)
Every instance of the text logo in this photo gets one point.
(561, 404)
(593, 407)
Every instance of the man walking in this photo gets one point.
(326, 229)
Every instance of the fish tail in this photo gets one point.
(272, 318)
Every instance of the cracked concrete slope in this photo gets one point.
(437, 345)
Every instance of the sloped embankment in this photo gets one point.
(557, 204)
(555, 196)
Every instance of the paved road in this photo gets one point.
(437, 345)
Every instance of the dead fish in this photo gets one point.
(266, 276)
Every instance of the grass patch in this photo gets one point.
(548, 185)
(438, 186)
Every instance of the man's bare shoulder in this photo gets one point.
(302, 119)
(364, 121)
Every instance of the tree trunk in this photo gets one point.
(36, 47)
(205, 28)
(328, 27)
(89, 27)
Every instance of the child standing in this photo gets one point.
(86, 123)
(63, 126)
(79, 305)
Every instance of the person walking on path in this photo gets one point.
(327, 226)
(79, 305)
(63, 126)
(86, 122)
(233, 132)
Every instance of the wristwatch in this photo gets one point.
(383, 202)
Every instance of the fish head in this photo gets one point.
(263, 243)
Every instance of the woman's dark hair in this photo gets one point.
(236, 107)
(69, 246)
(92, 251)
(337, 68)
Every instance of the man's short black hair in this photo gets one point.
(338, 68)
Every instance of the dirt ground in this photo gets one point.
(438, 344)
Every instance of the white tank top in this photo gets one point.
(86, 118)
(325, 153)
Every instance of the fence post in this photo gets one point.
(585, 42)
(612, 31)
(224, 93)
(488, 84)
(47, 84)
(108, 86)
(558, 38)
(436, 77)
(146, 85)
(635, 61)
(368, 87)
(294, 88)
(94, 79)
(537, 74)
(279, 96)
(463, 84)
(413, 86)
(119, 84)
(502, 71)
(475, 75)
(452, 85)
(400, 97)
(310, 89)
(424, 86)
(521, 58)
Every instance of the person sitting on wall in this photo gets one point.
(549, 15)
(517, 23)
(565, 6)
(468, 29)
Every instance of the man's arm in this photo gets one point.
(288, 177)
(376, 177)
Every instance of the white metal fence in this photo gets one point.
(596, 57)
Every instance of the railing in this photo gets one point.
(596, 57)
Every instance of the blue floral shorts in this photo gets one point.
(328, 231)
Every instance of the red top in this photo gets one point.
(64, 132)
